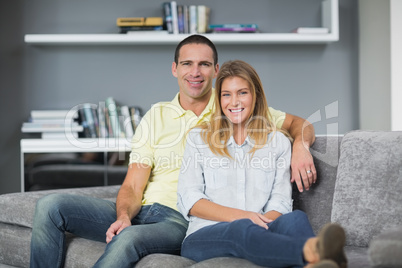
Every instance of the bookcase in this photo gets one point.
(329, 19)
(54, 147)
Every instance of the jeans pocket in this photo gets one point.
(158, 213)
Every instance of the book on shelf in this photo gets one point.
(175, 19)
(57, 135)
(167, 17)
(202, 18)
(141, 25)
(113, 117)
(52, 114)
(128, 126)
(50, 124)
(122, 120)
(185, 19)
(140, 21)
(139, 29)
(108, 119)
(193, 19)
(180, 18)
(158, 32)
(233, 28)
(31, 127)
(311, 30)
(89, 120)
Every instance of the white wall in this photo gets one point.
(396, 64)
(380, 64)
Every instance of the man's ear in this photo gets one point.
(216, 70)
(174, 69)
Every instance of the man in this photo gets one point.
(145, 219)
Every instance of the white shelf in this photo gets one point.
(157, 39)
(329, 19)
(75, 145)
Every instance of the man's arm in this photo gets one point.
(129, 198)
(302, 165)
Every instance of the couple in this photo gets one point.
(145, 220)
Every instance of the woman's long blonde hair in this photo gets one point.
(217, 132)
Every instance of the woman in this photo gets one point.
(234, 185)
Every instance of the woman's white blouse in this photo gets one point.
(258, 183)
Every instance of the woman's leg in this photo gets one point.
(295, 224)
(244, 239)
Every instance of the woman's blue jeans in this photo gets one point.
(279, 246)
(156, 229)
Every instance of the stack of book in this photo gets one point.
(53, 124)
(140, 25)
(185, 19)
(109, 119)
(233, 28)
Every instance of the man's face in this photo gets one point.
(195, 70)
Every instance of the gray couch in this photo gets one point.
(359, 186)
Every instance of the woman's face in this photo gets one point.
(236, 100)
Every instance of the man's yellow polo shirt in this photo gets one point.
(159, 142)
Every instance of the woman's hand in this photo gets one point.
(258, 219)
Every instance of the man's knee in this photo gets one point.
(48, 202)
(50, 206)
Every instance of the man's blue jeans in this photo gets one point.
(156, 229)
(279, 246)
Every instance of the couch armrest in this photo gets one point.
(19, 208)
(385, 249)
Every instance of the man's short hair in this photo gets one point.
(196, 39)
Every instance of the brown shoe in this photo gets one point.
(331, 240)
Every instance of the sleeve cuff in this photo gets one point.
(187, 201)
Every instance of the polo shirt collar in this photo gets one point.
(208, 109)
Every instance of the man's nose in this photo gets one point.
(195, 71)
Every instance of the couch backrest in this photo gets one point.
(317, 202)
(368, 189)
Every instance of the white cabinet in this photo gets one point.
(329, 19)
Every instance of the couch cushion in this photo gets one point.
(14, 245)
(164, 260)
(19, 208)
(367, 198)
(385, 249)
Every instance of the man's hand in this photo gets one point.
(115, 228)
(302, 165)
